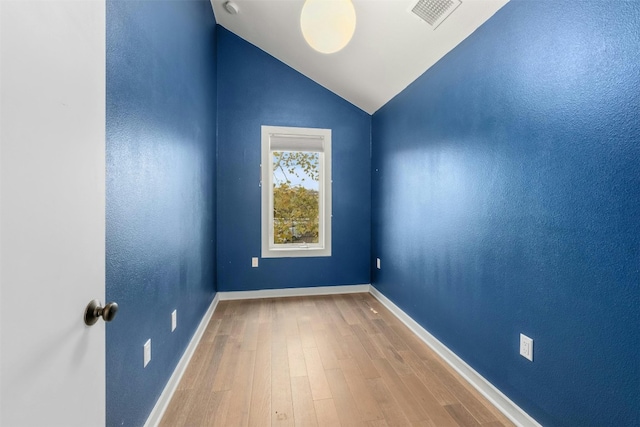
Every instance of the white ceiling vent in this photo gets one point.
(433, 12)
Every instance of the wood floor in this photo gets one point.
(340, 360)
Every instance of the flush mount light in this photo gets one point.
(328, 25)
(231, 7)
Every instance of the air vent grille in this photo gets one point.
(433, 12)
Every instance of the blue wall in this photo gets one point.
(506, 199)
(256, 89)
(161, 112)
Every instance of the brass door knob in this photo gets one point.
(95, 310)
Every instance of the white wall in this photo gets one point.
(52, 198)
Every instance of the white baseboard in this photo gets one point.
(163, 401)
(492, 394)
(293, 292)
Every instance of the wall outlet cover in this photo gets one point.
(254, 262)
(526, 347)
(378, 263)
(174, 320)
(147, 352)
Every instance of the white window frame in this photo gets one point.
(299, 137)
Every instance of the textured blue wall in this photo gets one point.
(161, 112)
(256, 89)
(506, 199)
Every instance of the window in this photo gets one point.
(296, 192)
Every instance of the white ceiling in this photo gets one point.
(391, 46)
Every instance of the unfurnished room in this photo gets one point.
(320, 213)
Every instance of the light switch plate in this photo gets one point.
(147, 352)
(378, 263)
(254, 261)
(174, 320)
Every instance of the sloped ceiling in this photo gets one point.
(391, 46)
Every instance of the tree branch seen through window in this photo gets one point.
(296, 179)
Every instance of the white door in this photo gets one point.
(52, 218)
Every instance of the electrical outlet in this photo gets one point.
(174, 320)
(254, 262)
(378, 263)
(147, 352)
(526, 347)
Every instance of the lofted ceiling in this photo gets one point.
(391, 46)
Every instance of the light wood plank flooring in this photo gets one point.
(340, 360)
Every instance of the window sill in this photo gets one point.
(295, 252)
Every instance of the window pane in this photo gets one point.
(296, 202)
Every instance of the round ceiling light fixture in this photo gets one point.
(328, 25)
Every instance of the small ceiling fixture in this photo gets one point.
(328, 25)
(433, 12)
(231, 8)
